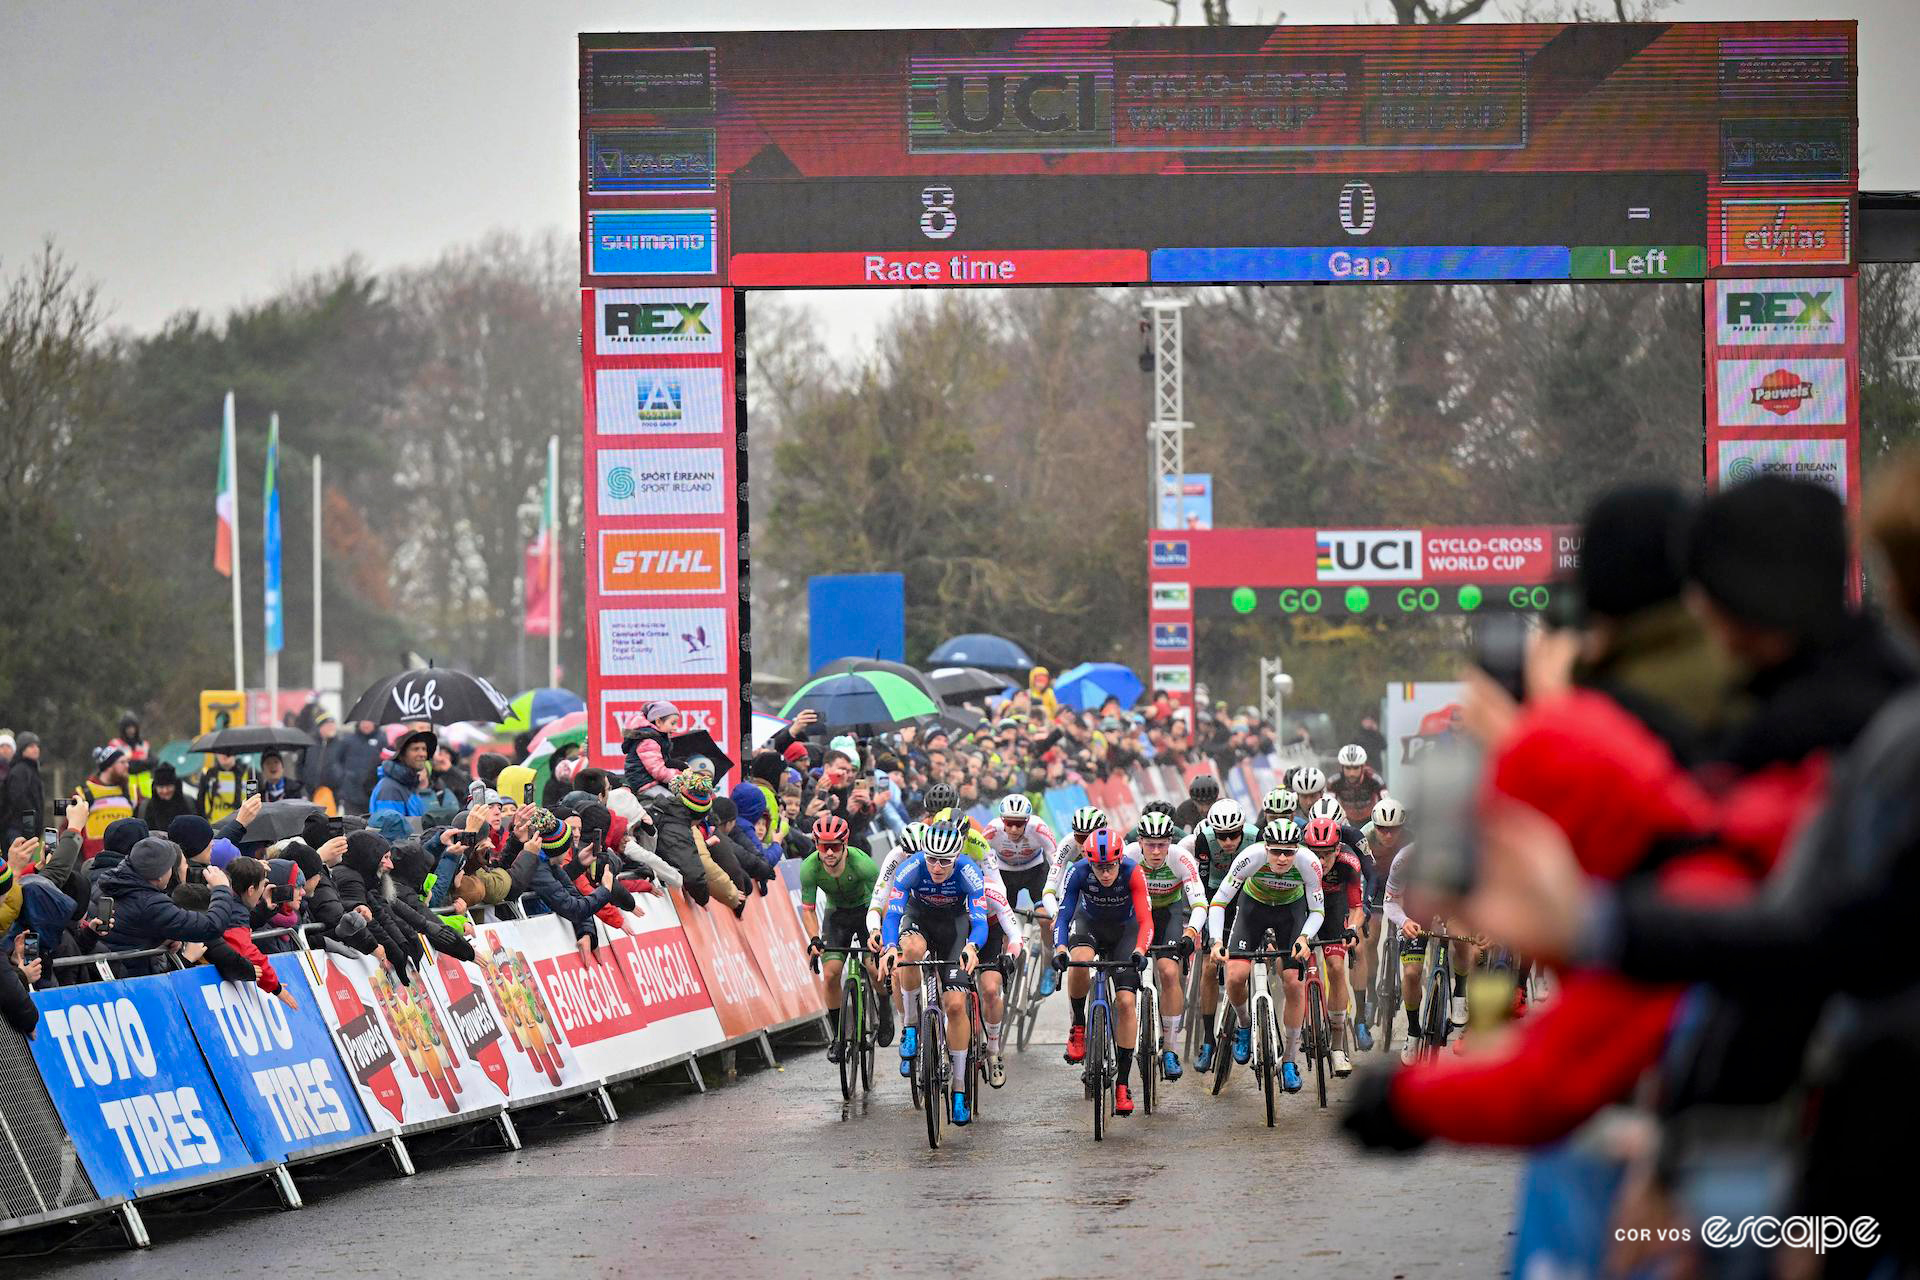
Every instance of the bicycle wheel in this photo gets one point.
(1321, 1035)
(1389, 1004)
(976, 1057)
(1190, 1033)
(1147, 1054)
(1269, 1066)
(1223, 1048)
(913, 1077)
(929, 1073)
(847, 1039)
(1029, 1015)
(1097, 1062)
(866, 1050)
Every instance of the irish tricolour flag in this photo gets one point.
(225, 507)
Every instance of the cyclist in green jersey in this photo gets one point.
(846, 876)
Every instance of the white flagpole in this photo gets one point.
(316, 572)
(553, 561)
(233, 543)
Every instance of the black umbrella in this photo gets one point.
(281, 820)
(248, 738)
(957, 684)
(434, 694)
(698, 742)
(912, 675)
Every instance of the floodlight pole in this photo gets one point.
(1166, 432)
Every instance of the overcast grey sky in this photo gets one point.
(199, 153)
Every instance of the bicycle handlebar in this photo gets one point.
(1100, 964)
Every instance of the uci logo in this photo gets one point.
(1368, 555)
(977, 104)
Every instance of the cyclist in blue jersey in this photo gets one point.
(1105, 912)
(934, 894)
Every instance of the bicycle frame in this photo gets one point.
(1102, 1070)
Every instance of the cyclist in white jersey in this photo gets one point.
(1023, 846)
(1171, 875)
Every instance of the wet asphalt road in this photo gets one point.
(767, 1178)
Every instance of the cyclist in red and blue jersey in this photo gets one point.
(1105, 913)
(934, 894)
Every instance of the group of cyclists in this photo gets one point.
(1321, 862)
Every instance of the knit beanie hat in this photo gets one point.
(191, 832)
(1773, 553)
(1627, 549)
(306, 860)
(558, 842)
(124, 833)
(153, 857)
(223, 852)
(694, 789)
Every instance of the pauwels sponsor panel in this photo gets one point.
(1781, 393)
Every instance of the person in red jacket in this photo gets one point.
(248, 879)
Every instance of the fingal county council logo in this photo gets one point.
(1782, 392)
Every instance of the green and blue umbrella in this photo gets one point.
(878, 699)
(537, 708)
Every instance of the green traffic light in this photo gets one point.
(1470, 598)
(1357, 599)
(1244, 600)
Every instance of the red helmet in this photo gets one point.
(830, 828)
(1321, 833)
(1103, 846)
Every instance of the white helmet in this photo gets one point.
(1388, 812)
(1328, 807)
(1225, 817)
(914, 838)
(1016, 806)
(1088, 818)
(1307, 780)
(1281, 801)
(1352, 756)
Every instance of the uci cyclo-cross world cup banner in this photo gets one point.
(716, 163)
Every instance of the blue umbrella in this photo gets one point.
(1091, 683)
(974, 650)
(537, 708)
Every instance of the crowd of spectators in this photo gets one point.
(1704, 812)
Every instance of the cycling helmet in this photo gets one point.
(1388, 813)
(914, 838)
(1328, 807)
(941, 796)
(1159, 806)
(1307, 780)
(1281, 831)
(1204, 789)
(1352, 756)
(1225, 818)
(1321, 833)
(1016, 807)
(1155, 826)
(1088, 818)
(943, 840)
(830, 828)
(1104, 846)
(1280, 801)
